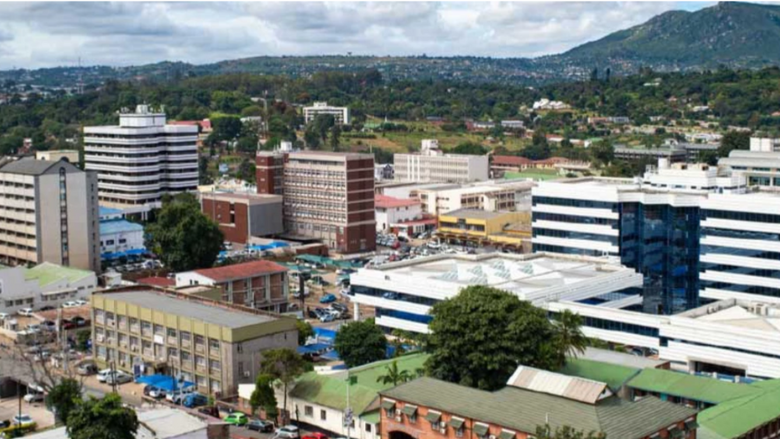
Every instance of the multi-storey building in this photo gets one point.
(269, 172)
(242, 216)
(340, 114)
(435, 166)
(43, 285)
(257, 284)
(391, 211)
(490, 196)
(118, 236)
(141, 159)
(330, 196)
(761, 164)
(214, 345)
(49, 213)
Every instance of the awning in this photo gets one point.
(388, 405)
(691, 425)
(164, 382)
(505, 434)
(433, 416)
(409, 410)
(480, 429)
(456, 423)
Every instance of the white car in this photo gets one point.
(82, 302)
(23, 420)
(287, 432)
(118, 377)
(4, 316)
(27, 312)
(70, 304)
(102, 375)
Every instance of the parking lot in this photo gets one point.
(9, 407)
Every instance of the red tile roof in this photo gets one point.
(241, 271)
(157, 281)
(510, 160)
(389, 202)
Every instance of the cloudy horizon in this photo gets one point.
(51, 34)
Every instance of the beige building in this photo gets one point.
(434, 166)
(49, 213)
(488, 196)
(215, 345)
(70, 155)
(340, 114)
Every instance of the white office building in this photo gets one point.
(403, 292)
(760, 165)
(141, 159)
(433, 165)
(340, 114)
(43, 285)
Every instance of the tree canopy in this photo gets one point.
(103, 418)
(360, 343)
(64, 398)
(263, 396)
(284, 365)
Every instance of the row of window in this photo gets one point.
(545, 216)
(568, 202)
(740, 216)
(568, 234)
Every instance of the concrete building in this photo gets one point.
(330, 197)
(403, 292)
(71, 155)
(764, 144)
(43, 285)
(214, 345)
(242, 216)
(48, 213)
(141, 159)
(391, 211)
(761, 164)
(340, 114)
(432, 165)
(428, 408)
(118, 236)
(257, 284)
(672, 153)
(490, 196)
(269, 172)
(507, 230)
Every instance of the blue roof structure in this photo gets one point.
(164, 382)
(119, 226)
(106, 211)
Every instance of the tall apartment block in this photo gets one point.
(141, 159)
(340, 114)
(49, 213)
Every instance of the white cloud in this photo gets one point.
(48, 34)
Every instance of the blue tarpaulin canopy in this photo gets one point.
(164, 382)
(131, 252)
(313, 348)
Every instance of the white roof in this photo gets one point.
(569, 387)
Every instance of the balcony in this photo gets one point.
(100, 320)
(135, 329)
(146, 332)
(214, 353)
(215, 372)
(186, 364)
(200, 367)
(172, 340)
(185, 343)
(148, 353)
(200, 348)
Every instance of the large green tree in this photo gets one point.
(304, 331)
(284, 365)
(733, 140)
(361, 342)
(479, 337)
(64, 397)
(184, 238)
(263, 396)
(103, 418)
(569, 339)
(471, 148)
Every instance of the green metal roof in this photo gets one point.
(738, 416)
(688, 386)
(48, 273)
(332, 392)
(612, 374)
(524, 410)
(368, 374)
(373, 417)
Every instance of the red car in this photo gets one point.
(315, 436)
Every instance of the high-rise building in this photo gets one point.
(49, 213)
(141, 159)
(340, 114)
(330, 196)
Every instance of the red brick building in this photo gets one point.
(269, 172)
(241, 216)
(427, 408)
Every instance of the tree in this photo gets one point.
(82, 339)
(539, 149)
(360, 343)
(569, 339)
(203, 171)
(246, 171)
(394, 376)
(64, 397)
(284, 365)
(566, 432)
(263, 396)
(226, 128)
(103, 418)
(470, 148)
(733, 140)
(304, 331)
(184, 238)
(602, 151)
(479, 337)
(335, 137)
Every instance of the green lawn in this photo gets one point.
(536, 174)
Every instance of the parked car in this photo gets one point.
(4, 316)
(236, 418)
(339, 307)
(79, 321)
(118, 377)
(287, 432)
(23, 420)
(27, 312)
(209, 410)
(260, 425)
(34, 393)
(195, 400)
(315, 435)
(70, 304)
(177, 396)
(328, 298)
(82, 302)
(327, 317)
(157, 393)
(102, 375)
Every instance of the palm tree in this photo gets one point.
(568, 335)
(393, 375)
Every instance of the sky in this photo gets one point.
(49, 34)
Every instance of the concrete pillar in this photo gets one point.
(356, 311)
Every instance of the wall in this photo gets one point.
(266, 219)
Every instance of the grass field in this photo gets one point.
(536, 174)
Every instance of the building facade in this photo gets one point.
(49, 213)
(216, 346)
(390, 211)
(70, 155)
(269, 172)
(43, 285)
(141, 159)
(429, 167)
(330, 197)
(242, 216)
(118, 236)
(340, 114)
(257, 284)
(761, 164)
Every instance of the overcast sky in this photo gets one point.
(53, 34)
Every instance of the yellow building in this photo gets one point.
(212, 344)
(501, 229)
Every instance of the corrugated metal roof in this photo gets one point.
(569, 387)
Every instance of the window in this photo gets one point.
(368, 428)
(240, 369)
(308, 411)
(323, 415)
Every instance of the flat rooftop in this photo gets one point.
(473, 214)
(217, 315)
(514, 273)
(739, 313)
(620, 358)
